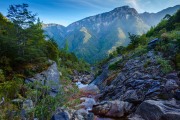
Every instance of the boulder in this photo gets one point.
(135, 117)
(112, 108)
(170, 116)
(60, 114)
(171, 85)
(158, 110)
(49, 77)
(173, 76)
(153, 43)
(177, 94)
(133, 96)
(90, 90)
(87, 103)
(28, 105)
(82, 114)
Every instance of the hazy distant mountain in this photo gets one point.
(94, 37)
(55, 31)
(153, 19)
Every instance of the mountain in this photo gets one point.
(55, 31)
(94, 37)
(153, 19)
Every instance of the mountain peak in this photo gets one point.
(125, 9)
(122, 7)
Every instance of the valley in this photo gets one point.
(118, 65)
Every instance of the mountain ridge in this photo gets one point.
(94, 37)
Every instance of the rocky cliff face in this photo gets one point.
(93, 38)
(139, 90)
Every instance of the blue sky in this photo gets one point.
(65, 12)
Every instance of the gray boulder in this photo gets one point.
(61, 114)
(171, 85)
(82, 114)
(158, 110)
(133, 96)
(112, 108)
(49, 77)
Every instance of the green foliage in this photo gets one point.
(115, 65)
(148, 62)
(120, 49)
(161, 25)
(20, 15)
(134, 39)
(2, 78)
(10, 89)
(66, 46)
(165, 65)
(140, 50)
(177, 60)
(24, 52)
(150, 32)
(44, 104)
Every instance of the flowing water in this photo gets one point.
(89, 103)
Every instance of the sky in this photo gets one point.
(65, 12)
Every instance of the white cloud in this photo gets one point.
(134, 4)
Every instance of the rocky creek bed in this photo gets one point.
(139, 91)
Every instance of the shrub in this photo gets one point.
(2, 78)
(10, 89)
(165, 65)
(140, 50)
(177, 60)
(148, 62)
(113, 66)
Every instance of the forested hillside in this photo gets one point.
(25, 52)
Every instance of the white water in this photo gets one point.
(80, 85)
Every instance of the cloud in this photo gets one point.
(134, 4)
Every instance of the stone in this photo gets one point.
(75, 80)
(87, 103)
(60, 114)
(112, 108)
(133, 96)
(153, 43)
(170, 116)
(150, 54)
(173, 76)
(28, 105)
(145, 77)
(177, 94)
(156, 110)
(89, 90)
(82, 114)
(135, 117)
(171, 85)
(49, 77)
